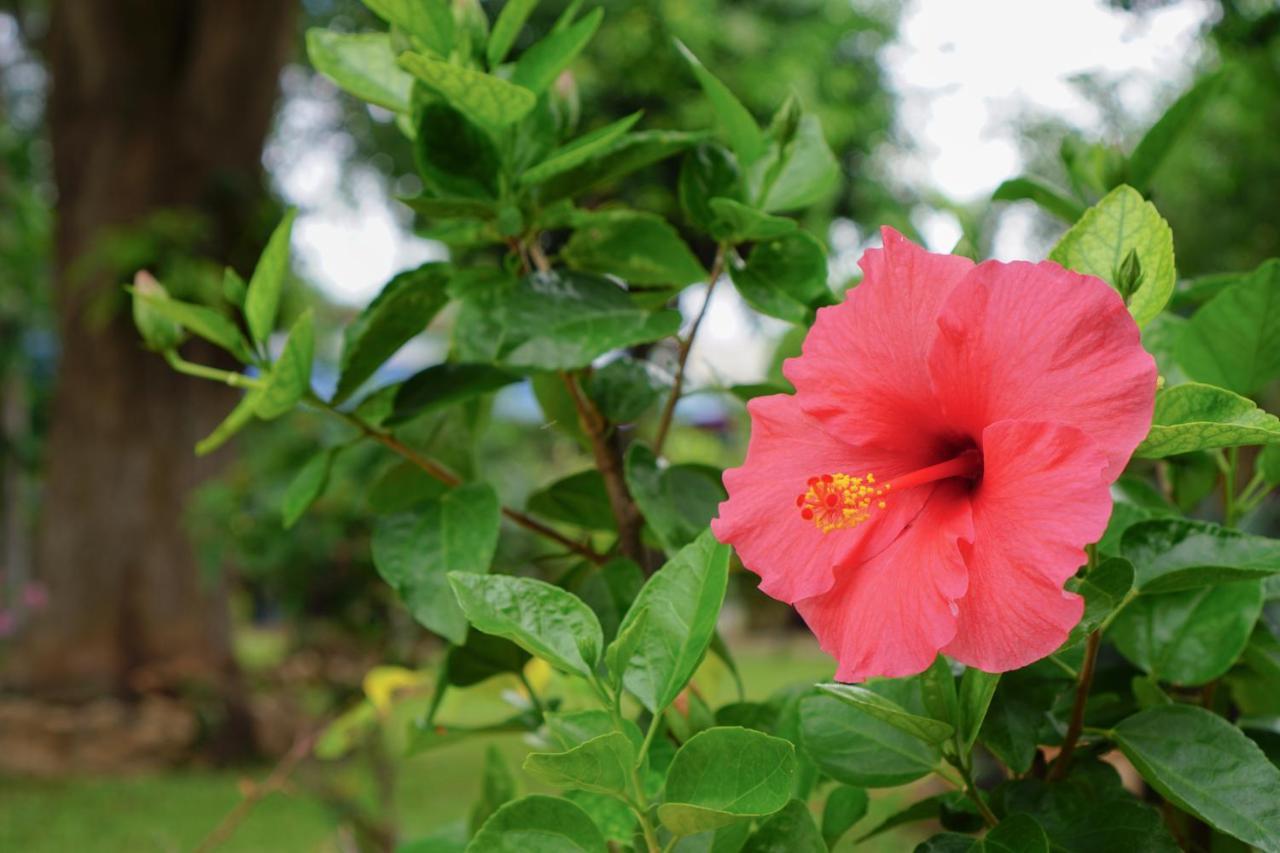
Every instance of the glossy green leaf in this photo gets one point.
(574, 728)
(451, 207)
(724, 775)
(938, 691)
(670, 625)
(262, 299)
(307, 485)
(857, 749)
(791, 830)
(1178, 554)
(677, 501)
(709, 171)
(625, 388)
(603, 764)
(579, 151)
(1098, 244)
(289, 379)
(456, 159)
(1233, 341)
(625, 155)
(885, 709)
(430, 23)
(1206, 766)
(543, 619)
(579, 499)
(946, 842)
(506, 28)
(785, 277)
(540, 65)
(416, 551)
(1192, 417)
(640, 248)
(398, 313)
(976, 689)
(236, 420)
(363, 64)
(1188, 637)
(930, 808)
(1104, 589)
(845, 806)
(798, 174)
(538, 824)
(736, 123)
(608, 590)
(162, 314)
(484, 99)
(482, 657)
(1017, 833)
(1048, 198)
(740, 223)
(443, 385)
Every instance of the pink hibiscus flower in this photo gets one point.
(945, 459)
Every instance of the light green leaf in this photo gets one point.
(543, 619)
(540, 65)
(741, 223)
(666, 633)
(1268, 464)
(785, 277)
(430, 22)
(506, 28)
(1098, 244)
(401, 311)
(453, 536)
(290, 377)
(578, 151)
(200, 320)
(307, 486)
(262, 299)
(724, 775)
(538, 824)
(1156, 143)
(602, 764)
(497, 787)
(976, 689)
(796, 174)
(363, 64)
(160, 332)
(1206, 766)
(1174, 554)
(739, 128)
(1048, 198)
(483, 98)
(640, 248)
(882, 708)
(1234, 340)
(625, 155)
(1193, 417)
(237, 420)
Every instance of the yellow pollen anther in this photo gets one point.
(837, 501)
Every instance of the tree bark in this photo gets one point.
(155, 105)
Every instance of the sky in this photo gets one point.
(963, 73)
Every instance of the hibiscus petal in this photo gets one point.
(892, 613)
(760, 519)
(863, 371)
(1043, 496)
(1025, 341)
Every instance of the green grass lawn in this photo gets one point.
(174, 811)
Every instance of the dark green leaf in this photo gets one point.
(930, 808)
(262, 299)
(1175, 554)
(449, 207)
(289, 379)
(482, 657)
(538, 824)
(1206, 766)
(306, 486)
(709, 171)
(402, 310)
(1104, 589)
(543, 619)
(938, 691)
(578, 151)
(624, 389)
(885, 709)
(736, 124)
(486, 100)
(443, 385)
(785, 277)
(976, 689)
(505, 29)
(402, 487)
(455, 158)
(677, 501)
(412, 552)
(540, 65)
(1201, 417)
(640, 248)
(363, 64)
(946, 842)
(603, 764)
(579, 499)
(626, 155)
(1017, 833)
(740, 223)
(845, 806)
(424, 736)
(1157, 142)
(1234, 340)
(1051, 200)
(791, 830)
(724, 775)
(857, 749)
(608, 590)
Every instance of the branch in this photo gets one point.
(1062, 763)
(668, 411)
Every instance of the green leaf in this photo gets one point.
(670, 625)
(1016, 721)
(574, 728)
(614, 817)
(1188, 637)
(791, 830)
(641, 248)
(736, 124)
(627, 154)
(882, 708)
(306, 486)
(363, 64)
(1104, 589)
(563, 321)
(579, 499)
(290, 376)
(678, 501)
(543, 619)
(450, 207)
(1155, 145)
(455, 157)
(401, 311)
(483, 98)
(234, 288)
(540, 65)
(505, 29)
(1201, 417)
(156, 308)
(415, 551)
(430, 22)
(796, 174)
(930, 808)
(1268, 465)
(740, 223)
(855, 748)
(785, 277)
(976, 689)
(262, 299)
(603, 764)
(1206, 766)
(1123, 222)
(707, 172)
(578, 151)
(1048, 198)
(159, 331)
(845, 806)
(1017, 833)
(624, 389)
(538, 824)
(724, 775)
(1234, 340)
(443, 385)
(497, 787)
(424, 736)
(938, 691)
(237, 420)
(482, 657)
(608, 590)
(402, 487)
(1179, 554)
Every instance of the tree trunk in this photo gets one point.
(155, 105)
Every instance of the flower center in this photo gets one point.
(837, 501)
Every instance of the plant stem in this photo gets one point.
(608, 456)
(1062, 763)
(971, 791)
(1229, 506)
(226, 377)
(447, 477)
(682, 357)
(533, 694)
(654, 725)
